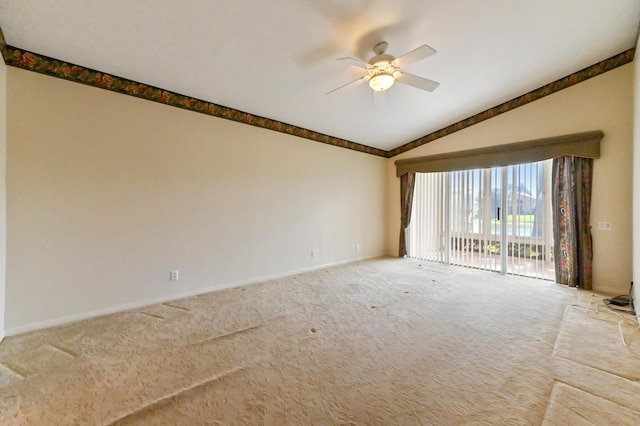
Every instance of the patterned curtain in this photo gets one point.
(573, 251)
(407, 183)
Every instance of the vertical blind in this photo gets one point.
(496, 219)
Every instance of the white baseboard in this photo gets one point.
(12, 331)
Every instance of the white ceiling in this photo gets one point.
(277, 58)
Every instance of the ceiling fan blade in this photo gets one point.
(356, 81)
(355, 62)
(379, 98)
(417, 82)
(417, 54)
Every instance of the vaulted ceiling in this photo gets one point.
(277, 59)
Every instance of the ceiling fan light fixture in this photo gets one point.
(384, 70)
(381, 81)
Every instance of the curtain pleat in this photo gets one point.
(573, 249)
(407, 183)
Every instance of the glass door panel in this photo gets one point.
(496, 219)
(474, 236)
(529, 238)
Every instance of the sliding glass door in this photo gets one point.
(528, 222)
(474, 211)
(493, 219)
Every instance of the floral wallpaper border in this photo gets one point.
(53, 67)
(546, 90)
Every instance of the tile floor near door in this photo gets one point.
(532, 268)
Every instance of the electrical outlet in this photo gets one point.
(313, 253)
(173, 276)
(604, 226)
(357, 246)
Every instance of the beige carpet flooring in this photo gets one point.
(381, 342)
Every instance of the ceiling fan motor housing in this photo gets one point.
(381, 58)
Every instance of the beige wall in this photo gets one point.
(108, 193)
(3, 192)
(601, 103)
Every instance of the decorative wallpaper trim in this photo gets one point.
(3, 46)
(549, 89)
(55, 68)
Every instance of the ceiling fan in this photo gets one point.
(384, 70)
